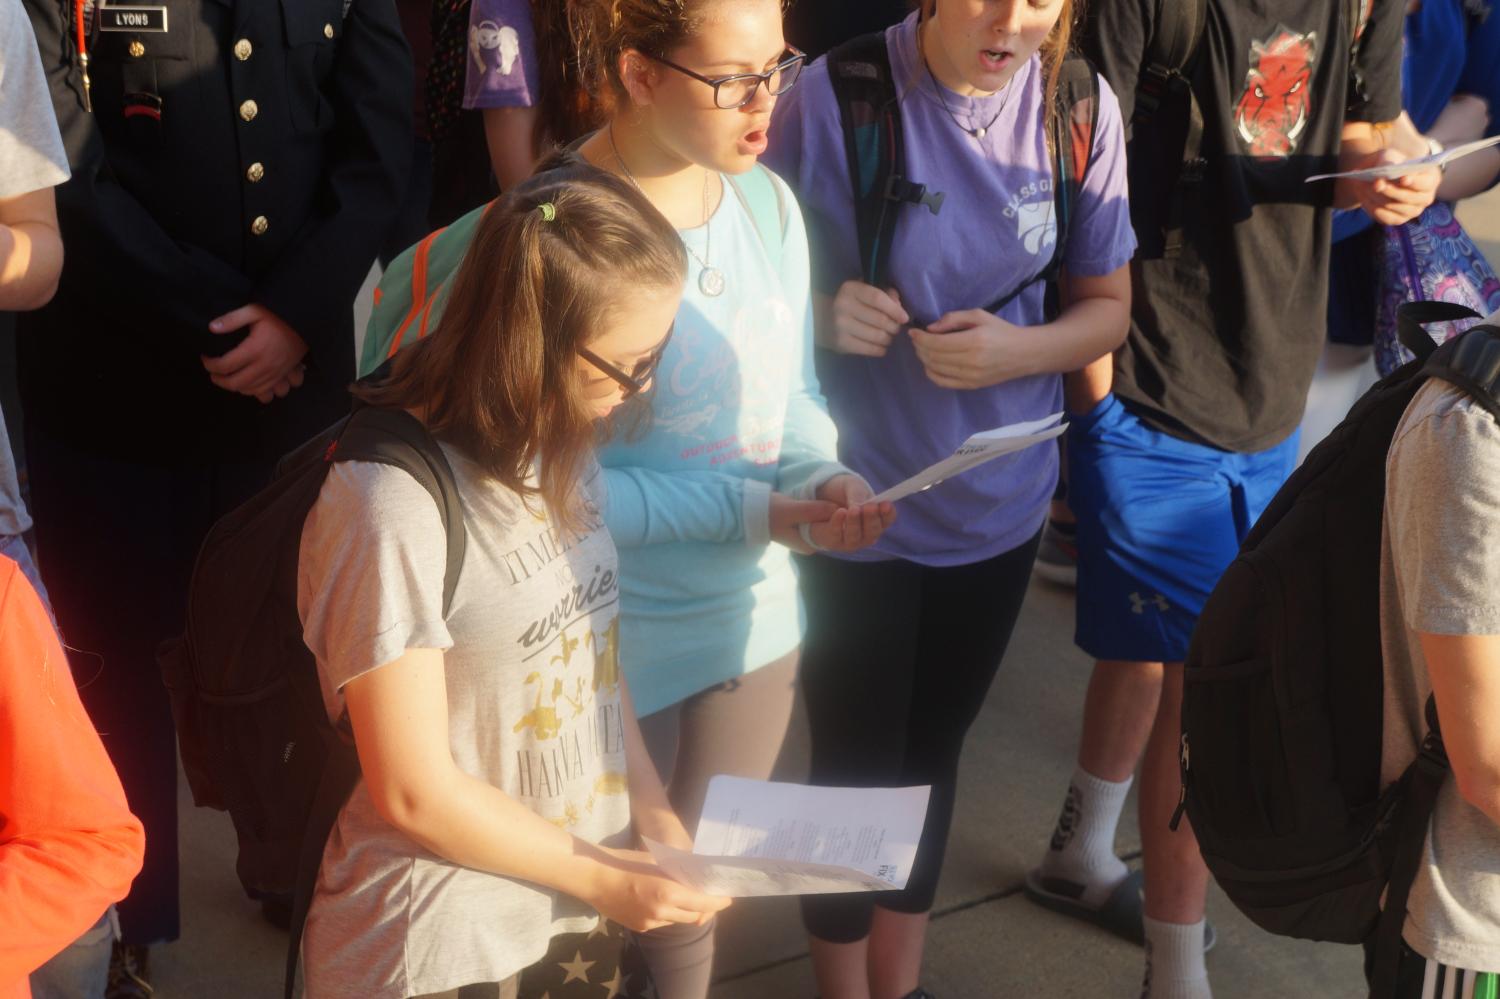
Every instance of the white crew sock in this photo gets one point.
(1083, 843)
(1174, 961)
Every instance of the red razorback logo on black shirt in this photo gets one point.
(1272, 114)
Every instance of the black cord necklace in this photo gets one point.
(977, 132)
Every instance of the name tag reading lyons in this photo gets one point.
(153, 19)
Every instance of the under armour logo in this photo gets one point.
(1138, 603)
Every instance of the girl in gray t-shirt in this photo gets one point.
(504, 778)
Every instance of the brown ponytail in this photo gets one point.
(498, 377)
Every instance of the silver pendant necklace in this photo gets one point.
(711, 281)
(977, 131)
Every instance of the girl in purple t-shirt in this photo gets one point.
(911, 371)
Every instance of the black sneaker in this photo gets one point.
(128, 973)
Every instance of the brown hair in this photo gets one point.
(498, 376)
(566, 109)
(1054, 50)
(603, 29)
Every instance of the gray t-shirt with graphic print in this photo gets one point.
(531, 664)
(1440, 574)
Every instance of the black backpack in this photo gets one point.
(251, 723)
(870, 112)
(1283, 694)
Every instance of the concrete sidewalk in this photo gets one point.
(986, 939)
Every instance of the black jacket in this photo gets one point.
(254, 151)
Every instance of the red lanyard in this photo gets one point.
(83, 51)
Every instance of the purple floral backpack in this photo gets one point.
(1430, 259)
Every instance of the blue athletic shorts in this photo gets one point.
(1159, 520)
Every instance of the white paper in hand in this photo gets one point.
(1393, 170)
(982, 447)
(764, 838)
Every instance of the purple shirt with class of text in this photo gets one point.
(995, 230)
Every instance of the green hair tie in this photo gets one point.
(549, 211)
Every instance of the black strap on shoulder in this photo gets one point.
(335, 784)
(1421, 783)
(395, 437)
(1176, 37)
(1471, 361)
(1412, 316)
(1071, 136)
(390, 437)
(870, 113)
(1359, 91)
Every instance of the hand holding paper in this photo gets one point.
(1390, 171)
(977, 450)
(764, 838)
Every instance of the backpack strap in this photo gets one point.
(1072, 132)
(389, 437)
(1412, 316)
(1176, 37)
(1471, 361)
(1355, 12)
(394, 437)
(763, 200)
(870, 113)
(1421, 783)
(1177, 31)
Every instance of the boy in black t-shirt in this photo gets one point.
(1168, 472)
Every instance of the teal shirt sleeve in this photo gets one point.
(643, 506)
(809, 443)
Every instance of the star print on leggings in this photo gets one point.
(602, 963)
(576, 969)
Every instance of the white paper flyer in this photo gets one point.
(1393, 170)
(982, 447)
(764, 838)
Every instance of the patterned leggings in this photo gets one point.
(577, 966)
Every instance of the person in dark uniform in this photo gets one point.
(236, 164)
(815, 26)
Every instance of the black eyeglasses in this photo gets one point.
(736, 91)
(641, 376)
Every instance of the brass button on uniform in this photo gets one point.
(327, 31)
(249, 110)
(242, 49)
(260, 225)
(136, 49)
(254, 173)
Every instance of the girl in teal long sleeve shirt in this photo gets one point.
(740, 460)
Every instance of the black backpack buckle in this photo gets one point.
(903, 191)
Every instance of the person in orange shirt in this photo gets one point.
(69, 846)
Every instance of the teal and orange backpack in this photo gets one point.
(410, 297)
